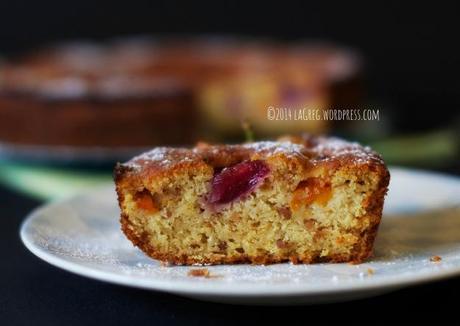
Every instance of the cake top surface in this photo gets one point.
(139, 67)
(315, 150)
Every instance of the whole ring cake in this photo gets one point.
(145, 92)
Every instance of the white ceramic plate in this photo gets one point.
(421, 219)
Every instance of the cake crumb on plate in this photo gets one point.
(199, 272)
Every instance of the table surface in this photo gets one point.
(33, 292)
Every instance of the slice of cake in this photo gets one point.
(300, 199)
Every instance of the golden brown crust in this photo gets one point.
(318, 152)
(332, 153)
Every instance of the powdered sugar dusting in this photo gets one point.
(163, 157)
(275, 147)
(319, 149)
(327, 149)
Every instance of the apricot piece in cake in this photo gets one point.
(309, 191)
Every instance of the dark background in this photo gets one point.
(411, 48)
(412, 56)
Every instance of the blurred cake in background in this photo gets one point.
(285, 81)
(92, 96)
(146, 92)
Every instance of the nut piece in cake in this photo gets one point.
(301, 199)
